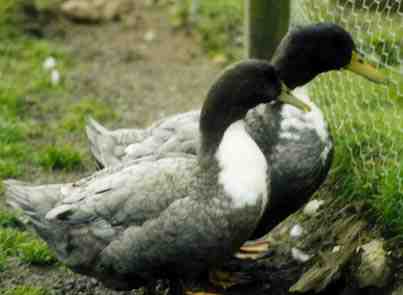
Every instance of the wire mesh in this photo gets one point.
(365, 118)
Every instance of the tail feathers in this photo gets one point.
(96, 134)
(35, 202)
(108, 147)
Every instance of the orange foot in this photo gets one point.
(201, 293)
(253, 249)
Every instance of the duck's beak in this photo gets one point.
(287, 97)
(360, 66)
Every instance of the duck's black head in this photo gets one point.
(311, 50)
(238, 89)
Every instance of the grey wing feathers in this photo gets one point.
(108, 146)
(125, 195)
(74, 245)
(178, 133)
(79, 220)
(35, 202)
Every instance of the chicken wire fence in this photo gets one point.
(366, 119)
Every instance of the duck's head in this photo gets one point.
(308, 51)
(238, 89)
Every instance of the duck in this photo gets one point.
(171, 216)
(298, 145)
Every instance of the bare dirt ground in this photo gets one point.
(144, 80)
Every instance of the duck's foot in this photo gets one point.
(225, 279)
(253, 250)
(218, 282)
(178, 288)
(201, 293)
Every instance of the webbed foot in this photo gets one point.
(253, 249)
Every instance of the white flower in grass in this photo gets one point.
(299, 255)
(55, 77)
(296, 231)
(49, 63)
(312, 207)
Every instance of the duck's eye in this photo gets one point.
(360, 60)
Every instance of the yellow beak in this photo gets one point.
(287, 97)
(363, 68)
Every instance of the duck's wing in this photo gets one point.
(183, 241)
(78, 220)
(178, 133)
(124, 229)
(130, 193)
(108, 146)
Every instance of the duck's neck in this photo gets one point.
(215, 118)
(209, 143)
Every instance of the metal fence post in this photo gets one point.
(266, 22)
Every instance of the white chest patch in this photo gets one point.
(295, 120)
(243, 167)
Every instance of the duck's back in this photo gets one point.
(177, 133)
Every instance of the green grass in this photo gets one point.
(41, 125)
(3, 261)
(13, 151)
(24, 290)
(27, 249)
(60, 158)
(224, 18)
(367, 128)
(35, 252)
(8, 219)
(76, 114)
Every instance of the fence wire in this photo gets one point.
(366, 119)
